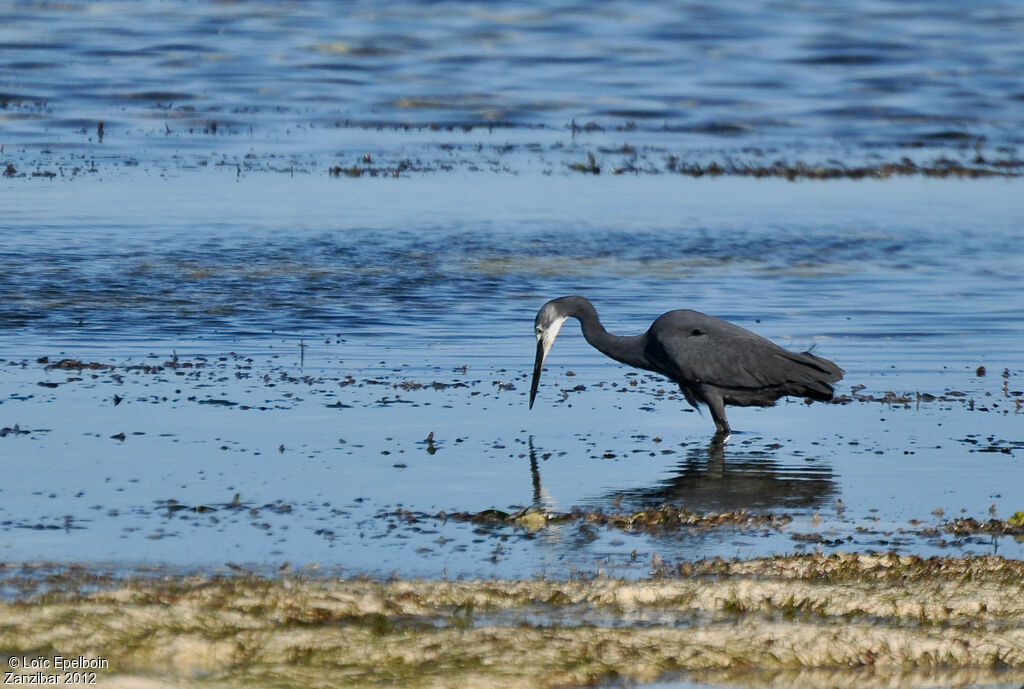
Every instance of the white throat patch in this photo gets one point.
(547, 337)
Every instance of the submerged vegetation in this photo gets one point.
(867, 618)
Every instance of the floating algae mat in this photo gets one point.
(853, 620)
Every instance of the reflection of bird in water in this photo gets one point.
(707, 480)
(540, 497)
(714, 362)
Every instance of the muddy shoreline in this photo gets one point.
(829, 620)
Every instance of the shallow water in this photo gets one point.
(296, 299)
(205, 223)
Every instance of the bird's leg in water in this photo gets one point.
(717, 408)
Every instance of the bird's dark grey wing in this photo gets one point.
(693, 348)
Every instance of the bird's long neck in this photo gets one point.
(628, 350)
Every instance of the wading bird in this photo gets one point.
(714, 362)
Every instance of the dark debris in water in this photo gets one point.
(1006, 401)
(852, 567)
(72, 365)
(13, 430)
(652, 520)
(798, 171)
(283, 388)
(654, 162)
(1013, 526)
(515, 158)
(171, 506)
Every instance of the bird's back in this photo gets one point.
(696, 349)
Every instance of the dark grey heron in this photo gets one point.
(714, 362)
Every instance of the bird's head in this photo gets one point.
(546, 326)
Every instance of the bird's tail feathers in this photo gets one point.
(813, 377)
(812, 389)
(830, 370)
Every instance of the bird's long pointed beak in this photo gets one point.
(538, 365)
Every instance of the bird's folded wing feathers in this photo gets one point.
(702, 349)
